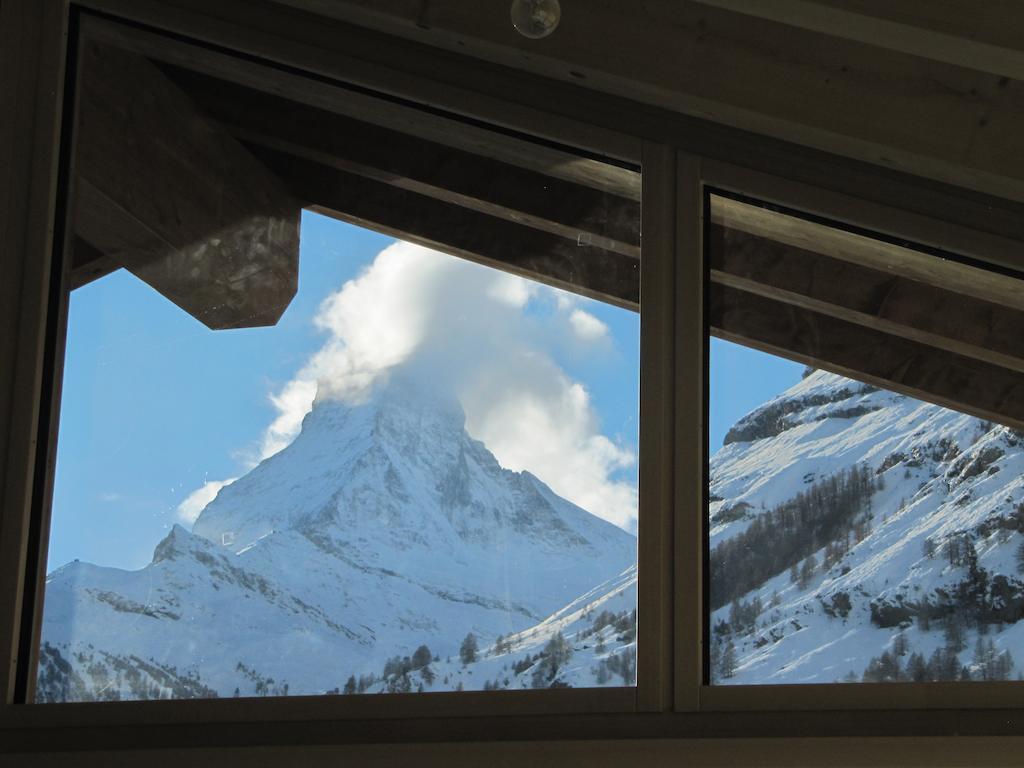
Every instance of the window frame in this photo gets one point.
(679, 157)
(647, 694)
(844, 211)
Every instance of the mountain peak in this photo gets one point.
(818, 395)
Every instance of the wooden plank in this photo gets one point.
(550, 259)
(756, 288)
(896, 305)
(575, 211)
(656, 628)
(929, 118)
(33, 40)
(88, 264)
(428, 124)
(177, 200)
(690, 467)
(870, 252)
(955, 33)
(898, 364)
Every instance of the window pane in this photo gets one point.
(859, 529)
(416, 473)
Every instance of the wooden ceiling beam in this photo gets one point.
(332, 97)
(872, 298)
(481, 183)
(972, 35)
(178, 201)
(525, 251)
(892, 362)
(88, 264)
(832, 241)
(929, 118)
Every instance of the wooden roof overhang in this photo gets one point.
(233, 150)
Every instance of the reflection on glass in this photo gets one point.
(423, 478)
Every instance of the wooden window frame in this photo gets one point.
(680, 158)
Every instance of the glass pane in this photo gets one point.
(424, 478)
(857, 533)
(416, 473)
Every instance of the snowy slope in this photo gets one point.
(891, 584)
(382, 527)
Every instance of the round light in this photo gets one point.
(535, 18)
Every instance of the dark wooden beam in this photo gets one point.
(875, 253)
(427, 124)
(846, 97)
(496, 242)
(411, 162)
(869, 297)
(178, 201)
(892, 362)
(88, 264)
(955, 33)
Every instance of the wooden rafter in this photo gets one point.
(869, 297)
(551, 259)
(407, 161)
(426, 124)
(895, 363)
(176, 200)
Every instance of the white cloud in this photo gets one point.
(188, 511)
(534, 418)
(470, 325)
(586, 326)
(293, 403)
(512, 290)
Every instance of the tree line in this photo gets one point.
(823, 515)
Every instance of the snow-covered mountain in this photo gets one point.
(383, 527)
(857, 534)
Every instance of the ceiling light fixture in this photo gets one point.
(535, 18)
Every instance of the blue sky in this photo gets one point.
(155, 405)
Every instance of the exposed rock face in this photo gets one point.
(777, 416)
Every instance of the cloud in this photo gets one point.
(533, 417)
(109, 497)
(471, 327)
(586, 326)
(188, 511)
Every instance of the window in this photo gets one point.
(392, 461)
(234, 266)
(864, 509)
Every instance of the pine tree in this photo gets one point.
(350, 685)
(421, 657)
(729, 661)
(468, 649)
(715, 659)
(807, 572)
(900, 645)
(917, 668)
(953, 631)
(928, 547)
(428, 675)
